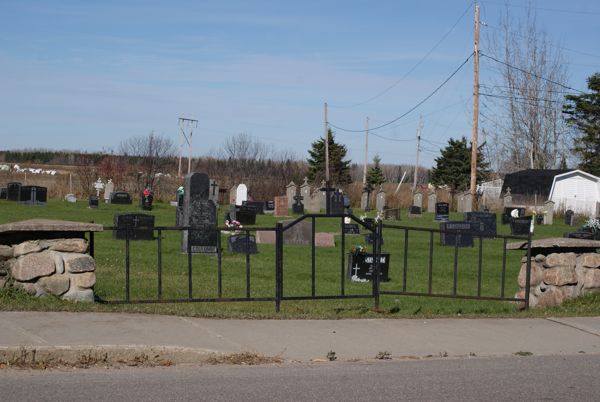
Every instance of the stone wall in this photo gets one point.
(560, 276)
(57, 267)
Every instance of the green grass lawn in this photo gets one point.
(110, 285)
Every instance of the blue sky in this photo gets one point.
(85, 75)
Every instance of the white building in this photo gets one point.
(576, 190)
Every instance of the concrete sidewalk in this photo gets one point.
(192, 339)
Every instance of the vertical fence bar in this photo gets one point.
(278, 266)
(456, 240)
(127, 262)
(342, 271)
(313, 270)
(479, 266)
(430, 280)
(528, 275)
(159, 269)
(189, 256)
(405, 271)
(219, 267)
(503, 268)
(377, 256)
(247, 264)
(92, 243)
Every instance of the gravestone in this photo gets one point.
(136, 226)
(431, 201)
(351, 228)
(323, 239)
(242, 243)
(364, 200)
(13, 191)
(418, 200)
(258, 206)
(380, 202)
(98, 186)
(281, 206)
(200, 214)
(93, 201)
(467, 202)
(370, 238)
(336, 205)
(298, 206)
(548, 212)
(391, 214)
(520, 226)
(232, 192)
(322, 196)
(35, 195)
(241, 194)
(3, 193)
(290, 192)
(213, 193)
(245, 215)
(299, 234)
(314, 203)
(414, 212)
(70, 198)
(569, 217)
(487, 221)
(179, 208)
(507, 199)
(121, 197)
(442, 211)
(108, 189)
(361, 267)
(453, 233)
(305, 190)
(506, 214)
(146, 199)
(269, 206)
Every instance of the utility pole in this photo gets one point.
(419, 128)
(326, 147)
(366, 152)
(475, 106)
(186, 127)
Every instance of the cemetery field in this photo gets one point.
(297, 271)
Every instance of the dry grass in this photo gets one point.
(244, 359)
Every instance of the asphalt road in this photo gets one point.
(543, 378)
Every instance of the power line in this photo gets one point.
(557, 10)
(413, 68)
(414, 107)
(530, 73)
(521, 98)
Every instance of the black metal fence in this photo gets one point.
(416, 245)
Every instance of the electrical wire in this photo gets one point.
(413, 68)
(414, 107)
(557, 10)
(520, 98)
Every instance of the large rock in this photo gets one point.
(537, 274)
(591, 278)
(75, 263)
(560, 259)
(55, 284)
(32, 266)
(6, 252)
(67, 245)
(85, 295)
(554, 296)
(27, 287)
(59, 263)
(559, 276)
(83, 280)
(590, 260)
(27, 247)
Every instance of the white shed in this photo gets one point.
(576, 190)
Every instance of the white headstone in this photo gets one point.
(108, 189)
(431, 200)
(418, 200)
(241, 194)
(548, 212)
(98, 185)
(290, 192)
(305, 189)
(380, 203)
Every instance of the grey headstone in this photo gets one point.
(548, 212)
(108, 190)
(380, 203)
(290, 192)
(299, 234)
(418, 200)
(314, 203)
(507, 199)
(431, 200)
(305, 190)
(467, 202)
(199, 212)
(364, 198)
(232, 192)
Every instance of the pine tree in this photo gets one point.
(339, 169)
(453, 167)
(583, 113)
(375, 175)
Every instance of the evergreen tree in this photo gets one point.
(583, 113)
(339, 169)
(375, 174)
(453, 167)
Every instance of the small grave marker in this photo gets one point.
(281, 206)
(442, 211)
(361, 267)
(242, 244)
(121, 197)
(453, 233)
(136, 226)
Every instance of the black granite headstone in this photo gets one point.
(13, 190)
(270, 205)
(200, 214)
(351, 228)
(242, 243)
(506, 215)
(520, 226)
(569, 217)
(442, 211)
(120, 197)
(3, 193)
(93, 201)
(346, 202)
(33, 195)
(362, 266)
(453, 233)
(336, 206)
(298, 206)
(391, 214)
(136, 226)
(245, 215)
(414, 211)
(487, 221)
(259, 206)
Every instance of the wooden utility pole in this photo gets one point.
(419, 128)
(186, 126)
(366, 152)
(475, 106)
(326, 148)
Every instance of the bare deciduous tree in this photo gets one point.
(523, 118)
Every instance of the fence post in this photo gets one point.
(377, 256)
(278, 266)
(528, 273)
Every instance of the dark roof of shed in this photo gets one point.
(531, 181)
